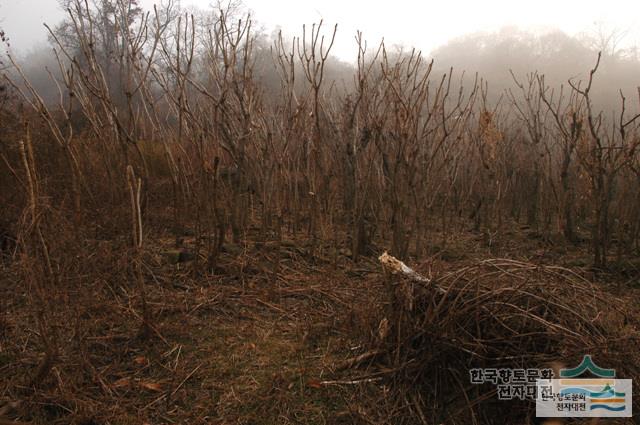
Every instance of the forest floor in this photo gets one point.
(249, 344)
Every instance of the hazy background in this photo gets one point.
(425, 25)
(491, 39)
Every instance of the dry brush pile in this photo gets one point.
(496, 314)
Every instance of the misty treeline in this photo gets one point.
(560, 57)
(175, 120)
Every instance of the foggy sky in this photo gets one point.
(425, 25)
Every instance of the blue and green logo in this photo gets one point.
(587, 365)
(606, 399)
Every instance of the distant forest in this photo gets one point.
(496, 57)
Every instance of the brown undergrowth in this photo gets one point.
(241, 345)
(298, 343)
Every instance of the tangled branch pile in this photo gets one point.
(494, 314)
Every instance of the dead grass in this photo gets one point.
(245, 345)
(226, 348)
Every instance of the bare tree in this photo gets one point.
(603, 155)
